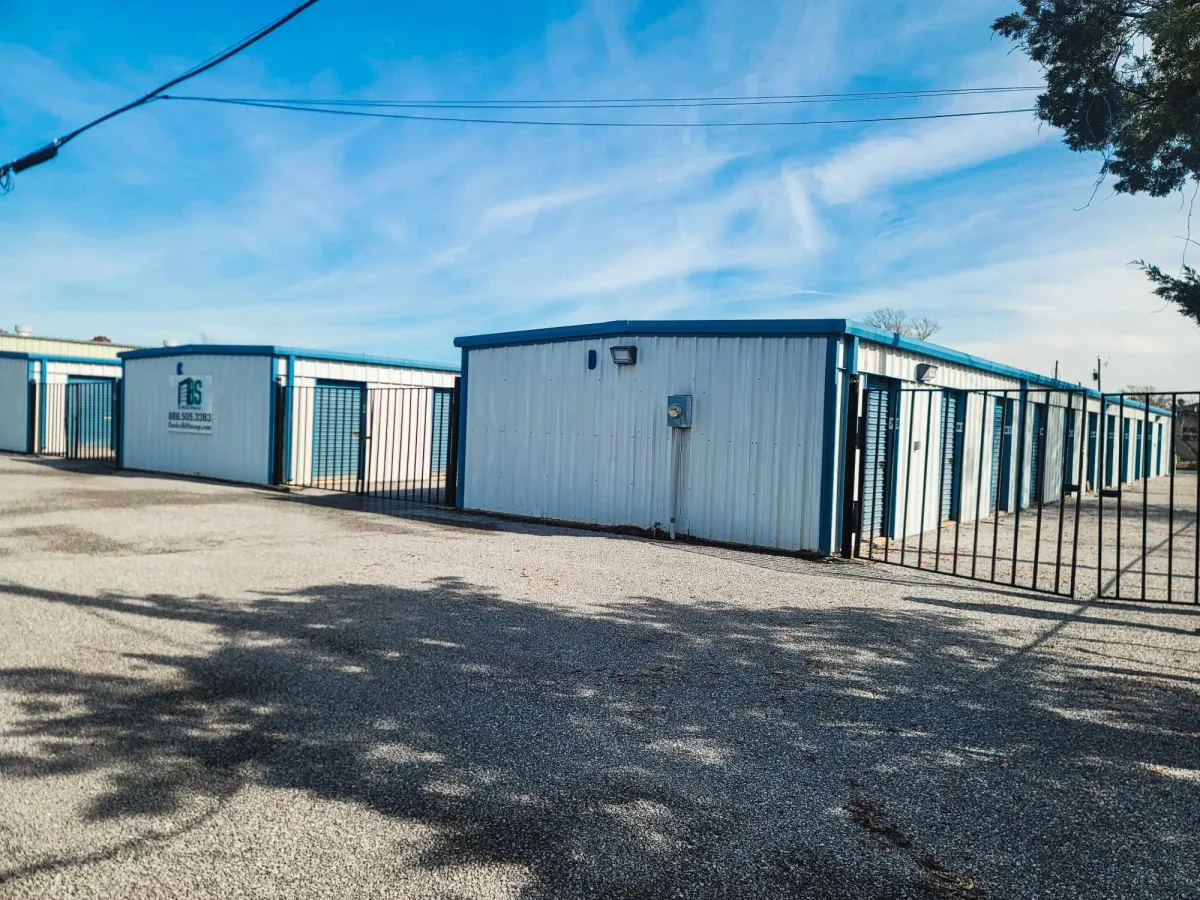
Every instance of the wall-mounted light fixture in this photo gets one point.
(927, 373)
(624, 356)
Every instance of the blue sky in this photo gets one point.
(190, 222)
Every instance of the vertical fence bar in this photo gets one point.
(1122, 462)
(1196, 533)
(958, 469)
(1171, 499)
(450, 485)
(1003, 464)
(849, 469)
(983, 420)
(1066, 470)
(1037, 483)
(925, 480)
(1145, 473)
(941, 470)
(1022, 418)
(1083, 456)
(870, 471)
(912, 418)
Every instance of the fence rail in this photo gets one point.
(76, 420)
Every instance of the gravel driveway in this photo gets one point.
(214, 692)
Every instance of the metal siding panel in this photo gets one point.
(549, 438)
(14, 404)
(312, 369)
(238, 449)
(892, 362)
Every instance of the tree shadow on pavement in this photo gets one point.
(646, 749)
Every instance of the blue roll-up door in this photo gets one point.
(338, 408)
(997, 443)
(1137, 456)
(1158, 452)
(1035, 453)
(1093, 427)
(1110, 449)
(1125, 452)
(951, 453)
(89, 415)
(1069, 455)
(441, 431)
(877, 459)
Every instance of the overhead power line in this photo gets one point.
(645, 102)
(359, 113)
(48, 152)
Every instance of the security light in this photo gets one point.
(624, 356)
(927, 373)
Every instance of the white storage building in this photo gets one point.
(58, 405)
(280, 415)
(572, 424)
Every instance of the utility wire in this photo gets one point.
(262, 104)
(50, 151)
(645, 103)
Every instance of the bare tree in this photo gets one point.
(899, 321)
(1141, 391)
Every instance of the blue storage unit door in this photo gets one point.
(1069, 454)
(1110, 450)
(441, 431)
(951, 453)
(877, 462)
(1092, 436)
(1158, 452)
(338, 429)
(89, 412)
(1036, 451)
(1125, 452)
(997, 443)
(1137, 457)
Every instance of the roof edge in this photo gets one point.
(271, 350)
(54, 357)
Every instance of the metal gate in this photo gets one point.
(78, 420)
(1060, 492)
(396, 443)
(986, 484)
(1148, 518)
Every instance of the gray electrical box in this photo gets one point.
(679, 411)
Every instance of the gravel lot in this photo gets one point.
(208, 691)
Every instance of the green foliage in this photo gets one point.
(1123, 79)
(1184, 292)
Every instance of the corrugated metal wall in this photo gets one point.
(892, 362)
(549, 438)
(239, 447)
(14, 404)
(399, 422)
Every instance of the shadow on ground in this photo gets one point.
(650, 749)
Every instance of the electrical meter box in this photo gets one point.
(679, 411)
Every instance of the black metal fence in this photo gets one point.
(394, 443)
(982, 484)
(1149, 507)
(80, 419)
(1059, 492)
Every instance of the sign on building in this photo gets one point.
(189, 408)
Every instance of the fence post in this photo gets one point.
(851, 505)
(278, 434)
(451, 492)
(31, 430)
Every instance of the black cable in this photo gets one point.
(476, 121)
(645, 103)
(51, 150)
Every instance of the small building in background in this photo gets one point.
(735, 431)
(279, 415)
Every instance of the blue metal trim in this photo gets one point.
(658, 328)
(50, 357)
(763, 328)
(271, 420)
(42, 407)
(850, 367)
(462, 432)
(287, 417)
(829, 447)
(267, 350)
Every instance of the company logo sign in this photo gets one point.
(189, 409)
